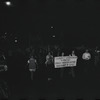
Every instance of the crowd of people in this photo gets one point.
(38, 59)
(43, 57)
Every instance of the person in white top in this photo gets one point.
(86, 59)
(86, 55)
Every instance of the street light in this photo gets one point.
(8, 3)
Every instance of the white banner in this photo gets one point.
(65, 61)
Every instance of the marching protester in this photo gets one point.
(32, 66)
(49, 65)
(96, 56)
(72, 68)
(3, 66)
(62, 69)
(96, 60)
(86, 59)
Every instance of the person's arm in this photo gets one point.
(28, 62)
(90, 56)
(4, 57)
(52, 59)
(83, 56)
(46, 60)
(36, 63)
(5, 68)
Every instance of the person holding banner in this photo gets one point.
(72, 68)
(49, 65)
(62, 69)
(65, 63)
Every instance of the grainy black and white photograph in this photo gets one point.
(49, 49)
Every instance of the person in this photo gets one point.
(3, 63)
(62, 69)
(86, 56)
(32, 65)
(73, 53)
(96, 56)
(49, 65)
(72, 68)
(86, 59)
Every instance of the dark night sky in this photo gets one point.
(72, 18)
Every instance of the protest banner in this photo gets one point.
(65, 61)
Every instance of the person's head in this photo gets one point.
(49, 53)
(73, 52)
(62, 54)
(31, 57)
(87, 50)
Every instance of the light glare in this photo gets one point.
(51, 26)
(16, 41)
(53, 36)
(8, 3)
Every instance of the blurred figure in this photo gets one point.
(86, 56)
(32, 65)
(96, 57)
(73, 68)
(86, 59)
(4, 90)
(49, 65)
(62, 69)
(73, 53)
(3, 67)
(62, 54)
(3, 63)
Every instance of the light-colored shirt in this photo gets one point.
(86, 56)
